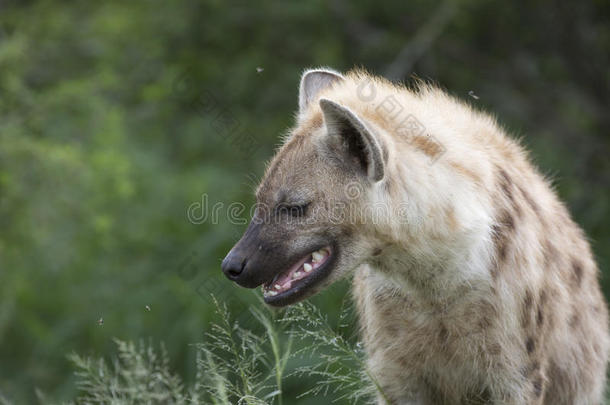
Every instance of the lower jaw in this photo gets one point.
(304, 288)
(290, 297)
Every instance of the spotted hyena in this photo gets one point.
(473, 284)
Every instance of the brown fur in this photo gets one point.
(484, 290)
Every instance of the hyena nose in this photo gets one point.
(233, 266)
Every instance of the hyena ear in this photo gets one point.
(313, 82)
(354, 138)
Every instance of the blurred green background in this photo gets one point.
(115, 117)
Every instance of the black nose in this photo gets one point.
(245, 264)
(233, 265)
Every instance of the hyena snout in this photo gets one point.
(233, 265)
(245, 266)
(289, 268)
(247, 263)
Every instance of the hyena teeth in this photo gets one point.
(307, 267)
(277, 287)
(296, 274)
(272, 293)
(317, 256)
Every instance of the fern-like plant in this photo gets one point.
(236, 365)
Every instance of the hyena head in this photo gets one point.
(311, 224)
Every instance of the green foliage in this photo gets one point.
(340, 367)
(139, 375)
(234, 366)
(110, 131)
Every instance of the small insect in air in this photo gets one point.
(259, 69)
(471, 94)
(100, 321)
(147, 308)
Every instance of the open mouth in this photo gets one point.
(288, 286)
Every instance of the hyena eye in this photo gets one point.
(294, 210)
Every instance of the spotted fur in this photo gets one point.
(483, 290)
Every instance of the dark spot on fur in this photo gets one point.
(506, 184)
(428, 145)
(541, 307)
(392, 330)
(388, 186)
(537, 383)
(501, 235)
(527, 309)
(443, 335)
(528, 198)
(539, 316)
(531, 369)
(495, 349)
(578, 272)
(551, 254)
(543, 297)
(499, 241)
(465, 172)
(574, 320)
(507, 222)
(377, 251)
(484, 323)
(530, 345)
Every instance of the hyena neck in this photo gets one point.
(437, 249)
(435, 278)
